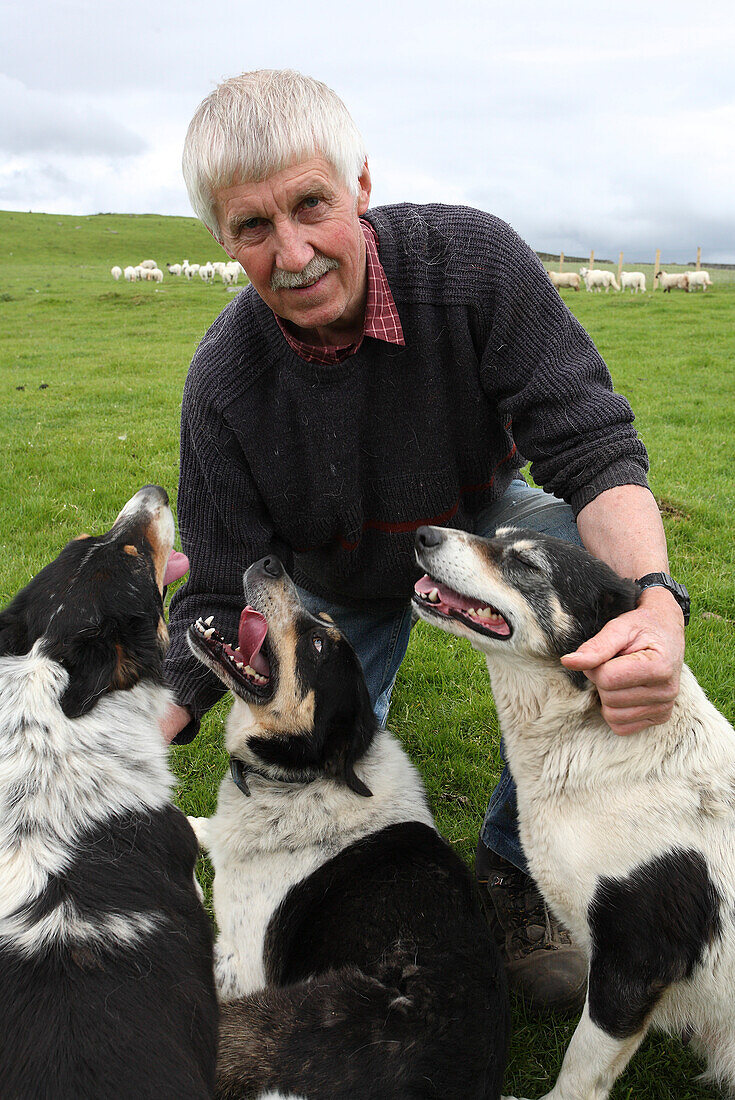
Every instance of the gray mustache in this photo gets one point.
(317, 266)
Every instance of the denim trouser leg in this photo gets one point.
(520, 506)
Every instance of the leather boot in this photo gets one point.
(541, 962)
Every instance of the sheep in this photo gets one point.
(156, 275)
(636, 280)
(149, 264)
(116, 272)
(174, 269)
(597, 279)
(131, 275)
(568, 279)
(699, 278)
(206, 273)
(219, 268)
(673, 282)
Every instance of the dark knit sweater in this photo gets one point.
(334, 467)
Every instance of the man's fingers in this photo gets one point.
(614, 638)
(645, 669)
(624, 721)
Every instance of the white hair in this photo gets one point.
(253, 125)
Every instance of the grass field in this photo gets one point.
(91, 373)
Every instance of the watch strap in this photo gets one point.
(678, 591)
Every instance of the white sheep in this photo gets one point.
(568, 279)
(156, 275)
(149, 264)
(673, 282)
(219, 267)
(636, 280)
(116, 272)
(596, 279)
(174, 269)
(699, 278)
(206, 273)
(131, 275)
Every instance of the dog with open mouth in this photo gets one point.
(353, 960)
(106, 976)
(630, 839)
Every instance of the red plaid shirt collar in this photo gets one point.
(381, 316)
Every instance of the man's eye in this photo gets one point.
(251, 223)
(311, 202)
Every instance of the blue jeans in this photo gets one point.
(380, 641)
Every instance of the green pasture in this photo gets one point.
(91, 373)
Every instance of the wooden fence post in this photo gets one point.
(592, 259)
(561, 260)
(656, 266)
(699, 258)
(620, 267)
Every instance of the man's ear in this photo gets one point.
(364, 187)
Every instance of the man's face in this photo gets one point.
(276, 227)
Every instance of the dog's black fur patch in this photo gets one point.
(648, 930)
(382, 952)
(106, 1020)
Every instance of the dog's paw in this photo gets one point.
(199, 825)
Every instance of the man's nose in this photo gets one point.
(292, 252)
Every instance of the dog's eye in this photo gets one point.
(318, 642)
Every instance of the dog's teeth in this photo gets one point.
(472, 613)
(209, 621)
(239, 664)
(208, 633)
(434, 595)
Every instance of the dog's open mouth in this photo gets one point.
(246, 664)
(446, 603)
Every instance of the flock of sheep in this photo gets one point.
(149, 270)
(597, 279)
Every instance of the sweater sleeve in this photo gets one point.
(548, 378)
(223, 529)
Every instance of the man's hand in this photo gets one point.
(173, 721)
(635, 663)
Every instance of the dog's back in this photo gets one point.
(382, 982)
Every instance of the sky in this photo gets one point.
(585, 125)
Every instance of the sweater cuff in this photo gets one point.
(619, 473)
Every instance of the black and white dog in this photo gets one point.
(353, 960)
(631, 839)
(106, 978)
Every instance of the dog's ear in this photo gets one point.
(91, 662)
(346, 726)
(616, 597)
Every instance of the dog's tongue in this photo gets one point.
(176, 566)
(250, 637)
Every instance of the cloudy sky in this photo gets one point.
(586, 125)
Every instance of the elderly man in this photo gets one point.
(385, 369)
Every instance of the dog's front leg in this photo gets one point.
(200, 825)
(593, 1062)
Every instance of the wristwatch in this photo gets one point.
(678, 591)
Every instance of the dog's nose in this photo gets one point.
(427, 538)
(271, 566)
